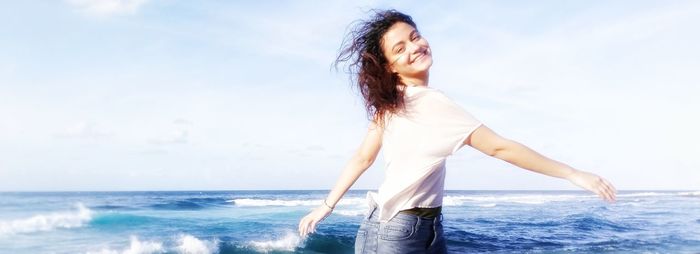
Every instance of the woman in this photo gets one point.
(418, 127)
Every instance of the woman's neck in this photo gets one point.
(420, 80)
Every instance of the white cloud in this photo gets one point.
(175, 137)
(108, 7)
(83, 129)
(182, 121)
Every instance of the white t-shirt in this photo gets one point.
(415, 144)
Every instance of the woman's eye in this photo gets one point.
(400, 50)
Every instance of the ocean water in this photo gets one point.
(266, 222)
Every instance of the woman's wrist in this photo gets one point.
(325, 203)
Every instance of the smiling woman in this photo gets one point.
(419, 127)
(410, 51)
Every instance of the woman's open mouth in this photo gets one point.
(421, 56)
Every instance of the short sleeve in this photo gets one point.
(453, 124)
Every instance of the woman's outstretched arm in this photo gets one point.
(490, 143)
(361, 160)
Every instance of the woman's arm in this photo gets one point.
(361, 160)
(490, 143)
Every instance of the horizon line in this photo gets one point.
(313, 190)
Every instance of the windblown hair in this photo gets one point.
(368, 67)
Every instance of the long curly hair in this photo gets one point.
(368, 67)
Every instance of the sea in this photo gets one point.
(266, 221)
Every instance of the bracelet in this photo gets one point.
(326, 204)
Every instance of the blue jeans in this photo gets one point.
(405, 233)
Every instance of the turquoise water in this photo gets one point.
(266, 222)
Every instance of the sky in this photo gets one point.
(111, 95)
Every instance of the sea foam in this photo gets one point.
(689, 194)
(293, 202)
(488, 201)
(451, 200)
(351, 212)
(643, 194)
(47, 222)
(288, 242)
(187, 244)
(136, 247)
(192, 245)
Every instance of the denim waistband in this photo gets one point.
(429, 213)
(373, 215)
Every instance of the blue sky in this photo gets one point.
(172, 95)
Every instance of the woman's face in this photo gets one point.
(408, 53)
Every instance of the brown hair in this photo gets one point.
(368, 67)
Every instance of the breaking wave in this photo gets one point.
(47, 222)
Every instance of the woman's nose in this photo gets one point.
(413, 47)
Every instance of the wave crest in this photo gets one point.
(47, 222)
(489, 201)
(459, 200)
(288, 242)
(192, 245)
(351, 212)
(136, 247)
(293, 202)
(689, 194)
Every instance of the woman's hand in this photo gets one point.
(308, 223)
(594, 183)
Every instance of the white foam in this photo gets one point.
(192, 245)
(139, 247)
(289, 242)
(136, 247)
(293, 202)
(644, 194)
(453, 200)
(457, 200)
(691, 193)
(47, 222)
(521, 199)
(350, 212)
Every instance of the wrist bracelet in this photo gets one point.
(326, 204)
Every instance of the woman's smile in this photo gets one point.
(421, 56)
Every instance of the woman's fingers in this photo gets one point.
(605, 190)
(611, 188)
(602, 192)
(302, 224)
(608, 195)
(596, 184)
(307, 225)
(299, 226)
(312, 227)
